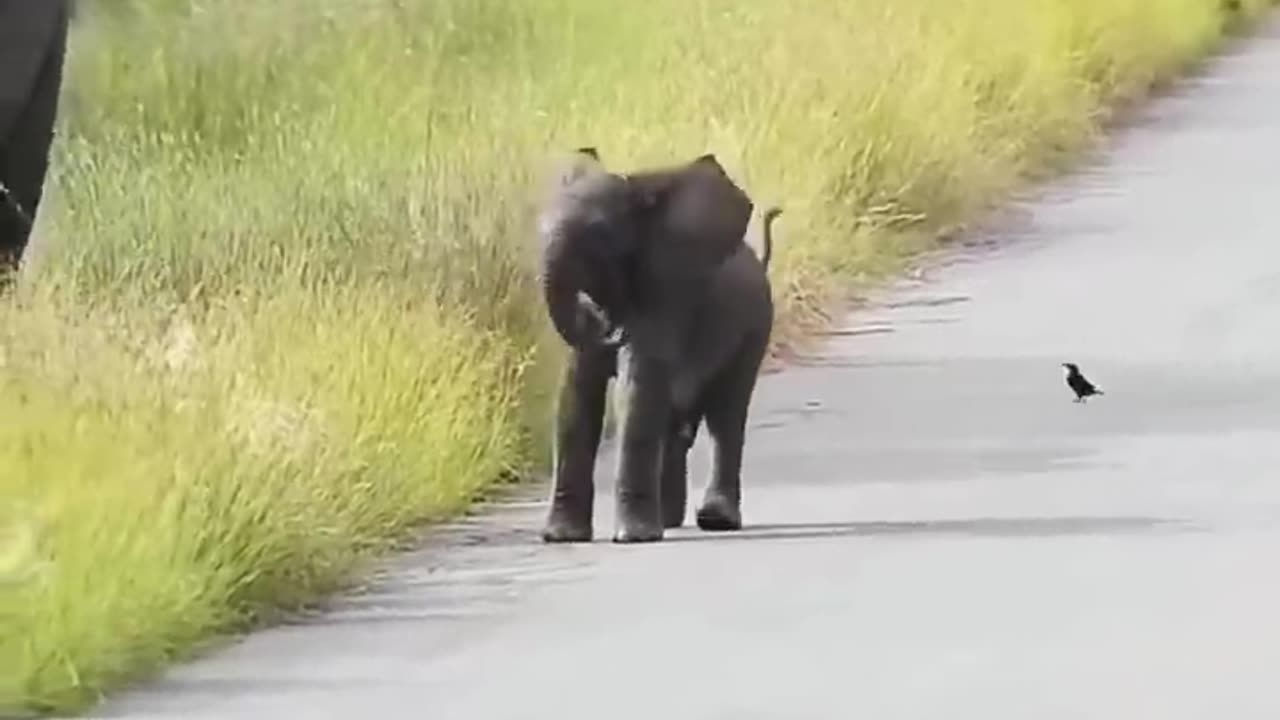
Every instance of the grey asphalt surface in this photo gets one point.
(935, 529)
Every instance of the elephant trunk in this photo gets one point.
(560, 288)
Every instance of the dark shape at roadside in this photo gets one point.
(1079, 384)
(32, 43)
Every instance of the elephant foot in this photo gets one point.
(637, 531)
(566, 534)
(638, 517)
(562, 530)
(719, 514)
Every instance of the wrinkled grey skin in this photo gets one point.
(32, 44)
(660, 257)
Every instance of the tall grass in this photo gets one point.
(285, 309)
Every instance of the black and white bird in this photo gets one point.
(1078, 384)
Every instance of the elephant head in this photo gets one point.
(623, 240)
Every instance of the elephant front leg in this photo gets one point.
(579, 423)
(644, 430)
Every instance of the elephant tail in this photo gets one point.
(766, 240)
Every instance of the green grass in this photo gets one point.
(285, 312)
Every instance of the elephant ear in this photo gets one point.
(557, 189)
(695, 215)
(584, 160)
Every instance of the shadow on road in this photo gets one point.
(247, 683)
(976, 527)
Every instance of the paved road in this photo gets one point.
(937, 530)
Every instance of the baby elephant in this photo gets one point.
(653, 263)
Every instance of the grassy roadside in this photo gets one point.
(287, 313)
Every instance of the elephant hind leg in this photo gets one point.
(675, 482)
(727, 404)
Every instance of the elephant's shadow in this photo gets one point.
(982, 527)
